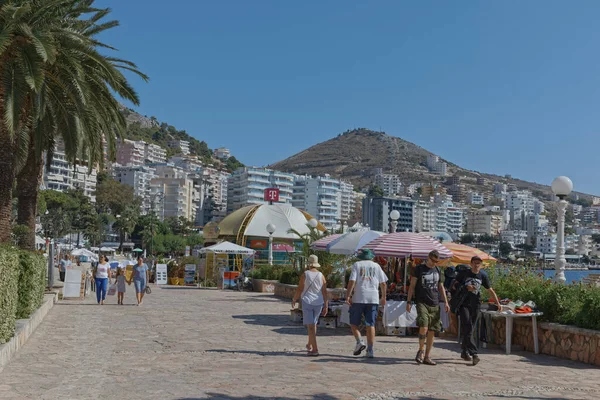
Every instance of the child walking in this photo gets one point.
(120, 285)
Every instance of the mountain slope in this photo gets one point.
(354, 155)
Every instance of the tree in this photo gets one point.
(126, 222)
(485, 238)
(467, 238)
(375, 191)
(113, 197)
(59, 85)
(233, 164)
(505, 249)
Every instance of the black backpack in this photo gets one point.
(459, 293)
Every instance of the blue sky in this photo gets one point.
(500, 87)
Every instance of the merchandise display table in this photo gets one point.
(395, 315)
(509, 326)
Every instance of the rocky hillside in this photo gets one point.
(354, 155)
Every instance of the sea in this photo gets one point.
(572, 275)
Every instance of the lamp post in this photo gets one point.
(562, 187)
(271, 230)
(394, 215)
(313, 223)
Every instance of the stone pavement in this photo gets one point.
(188, 343)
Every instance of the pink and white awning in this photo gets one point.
(404, 244)
(321, 244)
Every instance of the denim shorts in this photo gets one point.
(140, 285)
(310, 314)
(357, 310)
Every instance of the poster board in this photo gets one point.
(190, 275)
(161, 274)
(72, 288)
(202, 269)
(229, 279)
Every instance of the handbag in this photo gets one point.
(147, 290)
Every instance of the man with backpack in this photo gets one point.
(426, 284)
(467, 292)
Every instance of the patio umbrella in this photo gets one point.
(349, 243)
(138, 249)
(404, 244)
(321, 244)
(463, 254)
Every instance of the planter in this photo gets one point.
(174, 281)
(263, 285)
(336, 294)
(180, 282)
(285, 291)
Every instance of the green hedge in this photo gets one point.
(289, 277)
(575, 304)
(32, 283)
(9, 277)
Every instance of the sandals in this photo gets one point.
(312, 353)
(419, 357)
(428, 361)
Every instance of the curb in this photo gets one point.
(25, 328)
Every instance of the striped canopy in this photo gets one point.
(463, 254)
(404, 244)
(321, 244)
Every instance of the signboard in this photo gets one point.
(189, 277)
(283, 247)
(258, 244)
(202, 268)
(272, 194)
(161, 274)
(72, 287)
(229, 278)
(187, 251)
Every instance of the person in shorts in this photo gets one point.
(366, 279)
(426, 284)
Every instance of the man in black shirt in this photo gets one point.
(426, 281)
(473, 279)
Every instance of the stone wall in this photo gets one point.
(556, 340)
(263, 285)
(288, 291)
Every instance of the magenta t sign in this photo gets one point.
(272, 195)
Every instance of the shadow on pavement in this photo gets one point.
(214, 396)
(185, 288)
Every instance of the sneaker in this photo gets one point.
(360, 346)
(465, 356)
(370, 354)
(476, 359)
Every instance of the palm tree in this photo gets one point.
(70, 90)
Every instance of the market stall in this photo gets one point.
(223, 265)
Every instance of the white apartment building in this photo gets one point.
(222, 153)
(389, 183)
(130, 152)
(188, 163)
(62, 176)
(214, 206)
(455, 217)
(484, 222)
(538, 206)
(348, 201)
(139, 178)
(425, 217)
(319, 196)
(475, 198)
(246, 186)
(153, 153)
(546, 244)
(178, 192)
(500, 188)
(435, 165)
(515, 237)
(183, 146)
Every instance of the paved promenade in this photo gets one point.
(207, 344)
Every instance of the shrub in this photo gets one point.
(268, 272)
(32, 283)
(576, 304)
(289, 277)
(9, 276)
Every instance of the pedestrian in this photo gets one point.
(366, 278)
(426, 284)
(312, 290)
(121, 287)
(140, 279)
(62, 267)
(469, 282)
(102, 275)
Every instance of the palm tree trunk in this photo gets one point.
(7, 180)
(28, 186)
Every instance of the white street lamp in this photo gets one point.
(271, 229)
(394, 215)
(562, 187)
(313, 223)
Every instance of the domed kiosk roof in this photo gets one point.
(253, 220)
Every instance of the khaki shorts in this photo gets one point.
(429, 317)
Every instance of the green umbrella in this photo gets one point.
(137, 250)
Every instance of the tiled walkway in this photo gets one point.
(207, 344)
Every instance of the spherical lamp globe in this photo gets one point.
(562, 186)
(271, 229)
(395, 214)
(312, 223)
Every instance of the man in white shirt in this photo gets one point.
(366, 279)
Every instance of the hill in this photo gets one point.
(150, 130)
(354, 155)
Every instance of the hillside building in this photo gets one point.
(376, 213)
(246, 186)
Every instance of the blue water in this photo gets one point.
(572, 275)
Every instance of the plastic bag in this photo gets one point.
(112, 290)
